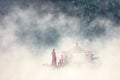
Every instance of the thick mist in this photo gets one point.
(28, 36)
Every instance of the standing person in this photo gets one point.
(54, 61)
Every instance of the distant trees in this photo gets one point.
(90, 9)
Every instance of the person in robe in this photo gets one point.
(54, 59)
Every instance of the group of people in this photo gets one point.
(54, 60)
(64, 59)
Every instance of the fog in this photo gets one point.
(27, 38)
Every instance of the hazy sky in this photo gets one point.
(29, 27)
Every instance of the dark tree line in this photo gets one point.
(90, 9)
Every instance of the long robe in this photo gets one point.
(54, 61)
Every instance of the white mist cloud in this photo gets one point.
(18, 62)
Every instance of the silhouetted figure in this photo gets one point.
(54, 61)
